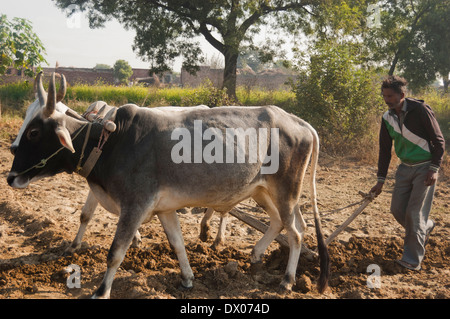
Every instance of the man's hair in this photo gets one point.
(396, 83)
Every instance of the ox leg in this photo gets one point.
(86, 215)
(221, 232)
(300, 223)
(129, 222)
(137, 239)
(295, 245)
(204, 225)
(172, 228)
(272, 232)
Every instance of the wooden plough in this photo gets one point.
(282, 239)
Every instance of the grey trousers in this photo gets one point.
(411, 205)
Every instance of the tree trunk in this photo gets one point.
(446, 83)
(394, 63)
(229, 73)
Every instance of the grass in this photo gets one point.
(121, 95)
(282, 98)
(17, 96)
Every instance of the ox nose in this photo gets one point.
(13, 149)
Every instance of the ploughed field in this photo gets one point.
(37, 224)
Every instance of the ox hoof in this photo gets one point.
(182, 287)
(286, 284)
(101, 293)
(71, 249)
(98, 296)
(137, 240)
(216, 245)
(68, 252)
(285, 288)
(204, 235)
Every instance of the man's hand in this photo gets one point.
(431, 178)
(377, 188)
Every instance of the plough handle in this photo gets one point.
(368, 198)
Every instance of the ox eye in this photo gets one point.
(33, 134)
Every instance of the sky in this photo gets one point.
(71, 42)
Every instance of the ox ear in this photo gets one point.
(64, 138)
(49, 108)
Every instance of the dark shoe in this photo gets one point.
(408, 265)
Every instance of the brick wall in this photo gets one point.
(205, 73)
(84, 75)
(75, 75)
(267, 80)
(270, 80)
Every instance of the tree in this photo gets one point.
(410, 37)
(414, 38)
(166, 29)
(122, 71)
(435, 30)
(338, 97)
(20, 47)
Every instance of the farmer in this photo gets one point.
(419, 144)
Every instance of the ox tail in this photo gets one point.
(322, 283)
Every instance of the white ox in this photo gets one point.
(97, 110)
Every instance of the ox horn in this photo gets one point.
(42, 96)
(51, 98)
(62, 88)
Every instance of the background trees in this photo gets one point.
(20, 47)
(413, 40)
(406, 37)
(410, 37)
(167, 29)
(122, 71)
(338, 97)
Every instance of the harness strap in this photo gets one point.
(84, 147)
(90, 162)
(93, 156)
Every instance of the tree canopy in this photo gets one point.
(166, 29)
(406, 37)
(410, 37)
(414, 38)
(20, 47)
(122, 71)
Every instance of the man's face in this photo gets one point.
(393, 99)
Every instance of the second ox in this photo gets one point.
(136, 177)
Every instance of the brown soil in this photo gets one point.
(37, 224)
